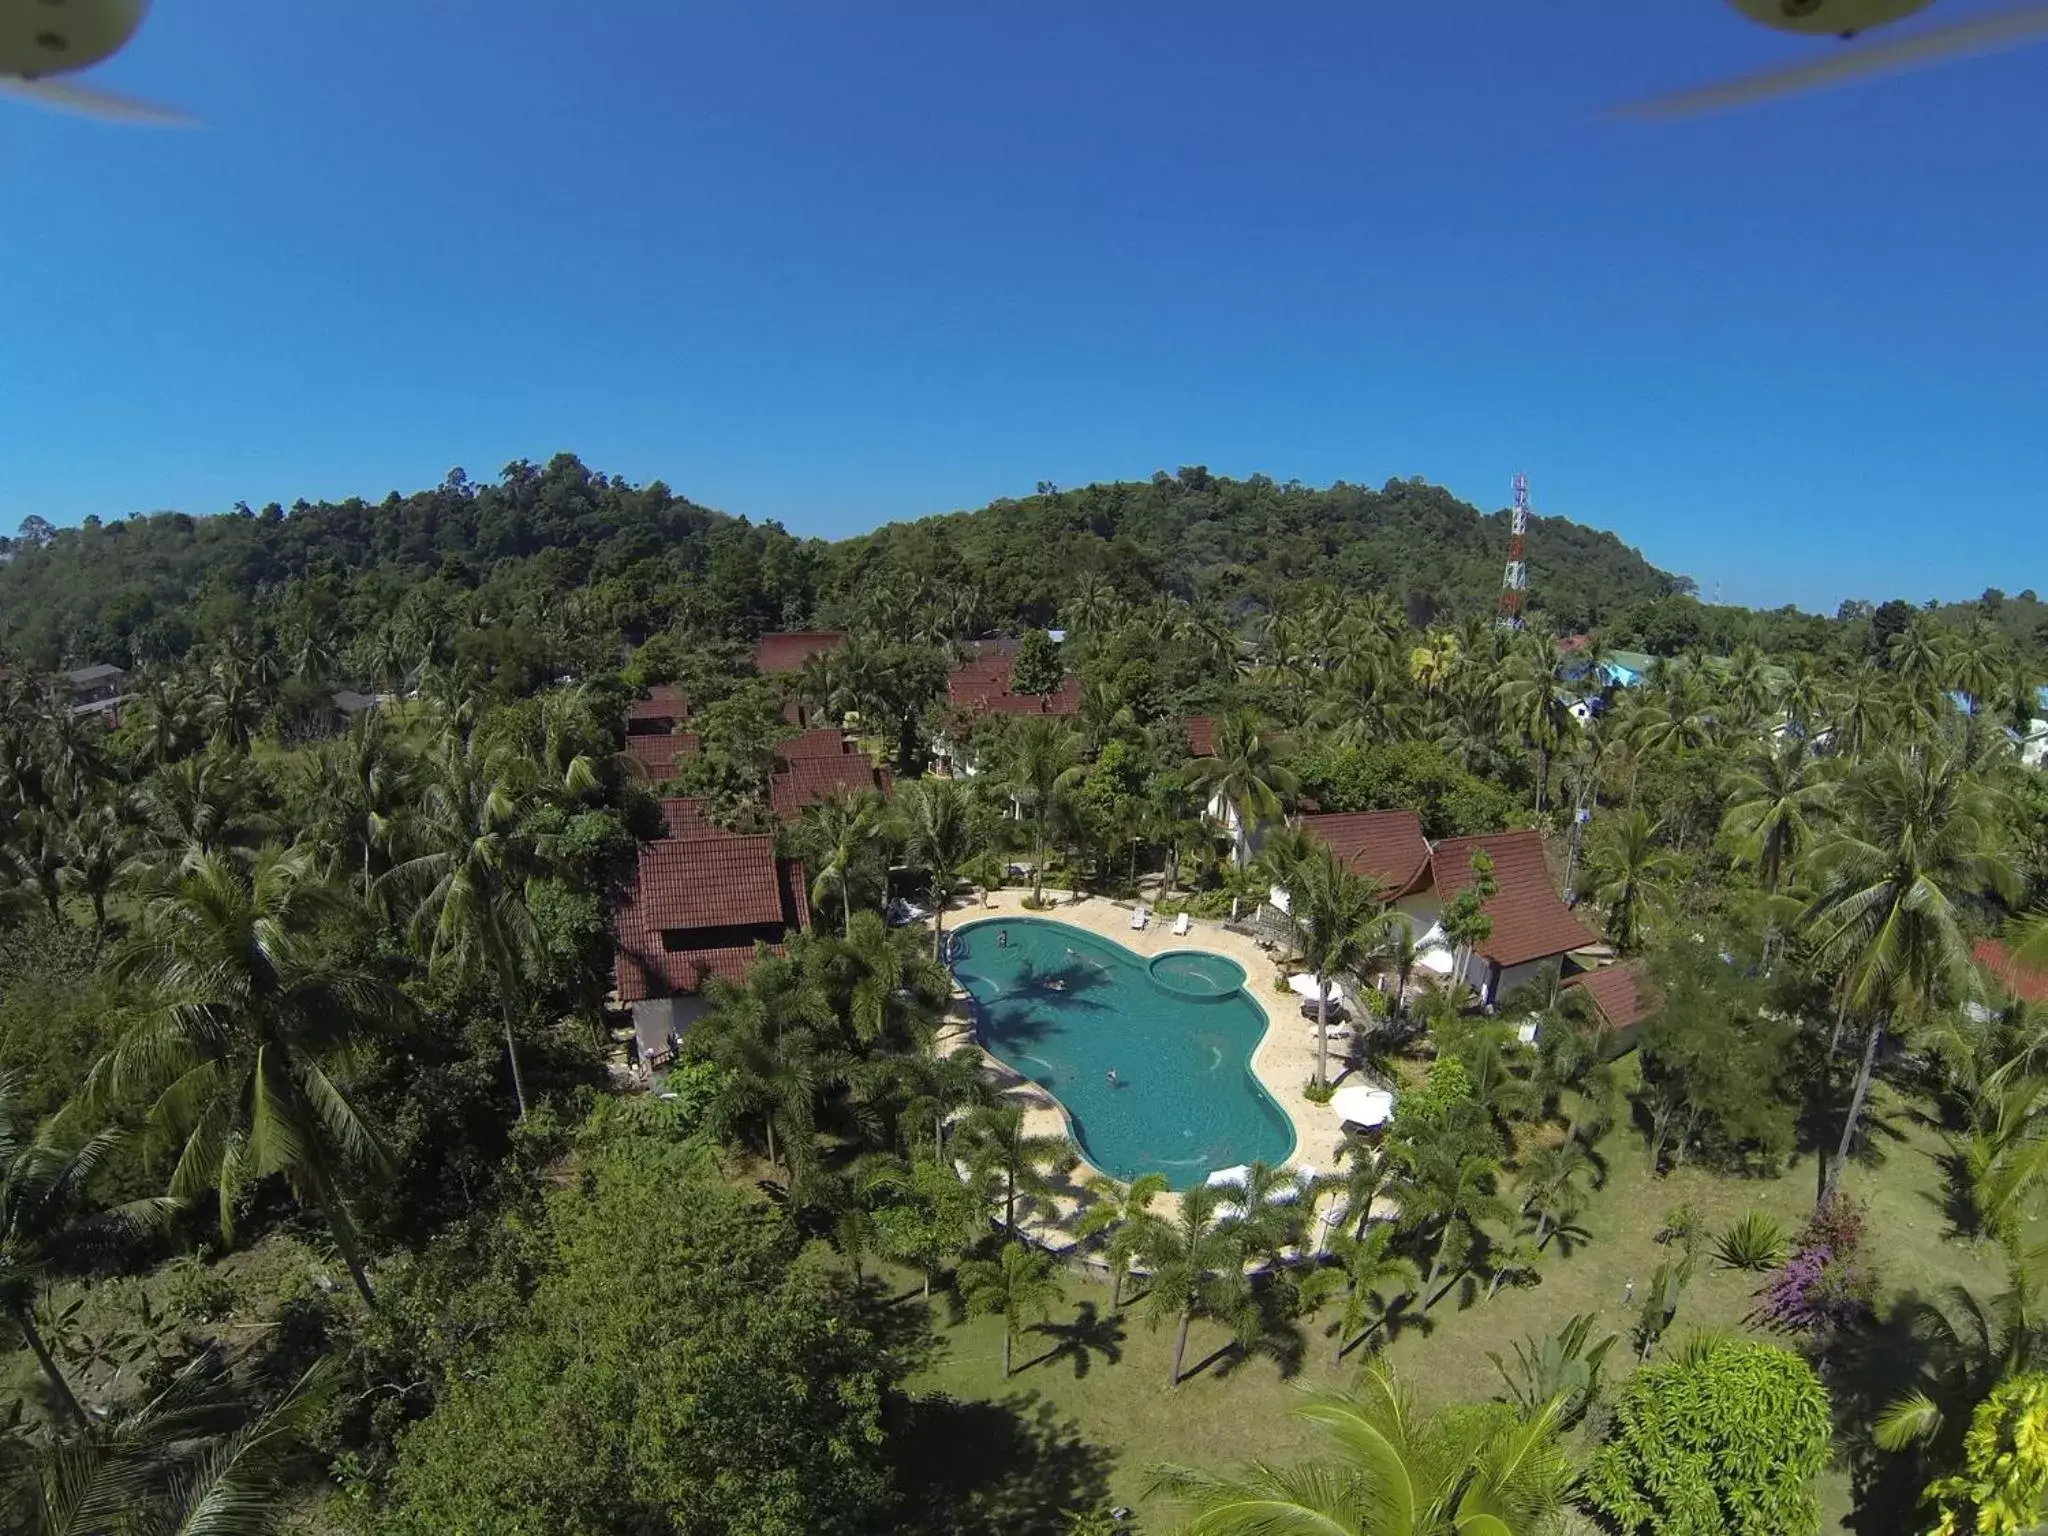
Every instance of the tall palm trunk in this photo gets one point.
(1542, 774)
(341, 1227)
(1009, 1333)
(1322, 1031)
(512, 1056)
(1856, 1101)
(845, 907)
(1038, 861)
(32, 1336)
(1180, 1344)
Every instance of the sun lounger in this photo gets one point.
(1180, 926)
(1138, 919)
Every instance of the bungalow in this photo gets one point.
(1387, 848)
(1621, 997)
(95, 690)
(702, 900)
(800, 781)
(659, 713)
(661, 757)
(980, 687)
(1532, 927)
(786, 652)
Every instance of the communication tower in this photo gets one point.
(1516, 579)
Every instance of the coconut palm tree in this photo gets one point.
(1552, 1185)
(944, 834)
(360, 786)
(886, 987)
(1919, 654)
(1630, 875)
(939, 1085)
(1449, 1197)
(1365, 1265)
(1396, 1471)
(1197, 1268)
(466, 885)
(838, 834)
(767, 1032)
(1019, 1285)
(1244, 776)
(1041, 767)
(1775, 800)
(42, 1186)
(1121, 1213)
(995, 1143)
(1916, 832)
(1340, 926)
(1536, 704)
(97, 846)
(247, 1006)
(1862, 711)
(36, 848)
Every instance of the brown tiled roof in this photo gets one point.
(1529, 922)
(812, 778)
(823, 742)
(1620, 992)
(983, 686)
(714, 884)
(686, 818)
(788, 651)
(1201, 731)
(2025, 982)
(1387, 847)
(664, 701)
(661, 754)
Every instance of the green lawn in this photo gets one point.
(1107, 1380)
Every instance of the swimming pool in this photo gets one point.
(1066, 1008)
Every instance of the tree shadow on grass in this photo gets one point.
(1088, 1335)
(1884, 1359)
(1011, 1468)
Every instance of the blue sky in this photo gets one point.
(837, 263)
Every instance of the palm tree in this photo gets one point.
(361, 784)
(838, 834)
(1245, 777)
(1451, 1196)
(889, 990)
(944, 835)
(1396, 1472)
(1536, 703)
(1630, 875)
(765, 1032)
(467, 885)
(1774, 801)
(1919, 654)
(942, 1084)
(42, 1185)
(1862, 712)
(1197, 1266)
(1123, 1211)
(97, 846)
(187, 1462)
(1019, 1286)
(1041, 766)
(249, 1003)
(1916, 832)
(1552, 1185)
(36, 849)
(1339, 923)
(1025, 1165)
(1365, 1266)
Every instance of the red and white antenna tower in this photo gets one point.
(1516, 579)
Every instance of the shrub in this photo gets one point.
(1754, 1242)
(1318, 1093)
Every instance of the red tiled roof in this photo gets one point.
(664, 701)
(1387, 847)
(1529, 921)
(661, 754)
(1571, 645)
(812, 778)
(2025, 982)
(1201, 731)
(823, 742)
(787, 652)
(712, 883)
(983, 685)
(1619, 992)
(685, 818)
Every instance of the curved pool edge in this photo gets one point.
(1261, 1079)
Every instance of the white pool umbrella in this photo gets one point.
(1230, 1178)
(1304, 987)
(1362, 1104)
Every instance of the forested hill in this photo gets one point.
(607, 556)
(1199, 535)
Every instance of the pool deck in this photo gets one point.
(1283, 1062)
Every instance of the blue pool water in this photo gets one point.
(1066, 1008)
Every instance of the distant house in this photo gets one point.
(1620, 995)
(2025, 983)
(801, 781)
(1201, 734)
(980, 687)
(702, 900)
(659, 713)
(95, 691)
(786, 652)
(1532, 927)
(661, 757)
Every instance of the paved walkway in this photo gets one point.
(1283, 1062)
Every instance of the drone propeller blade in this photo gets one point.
(69, 96)
(1977, 35)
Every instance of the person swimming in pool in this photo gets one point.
(1002, 938)
(1113, 1082)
